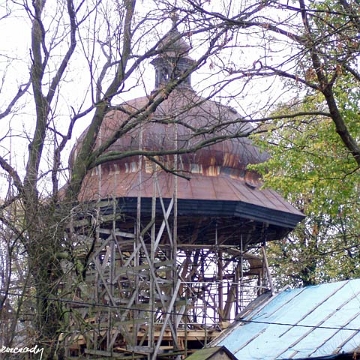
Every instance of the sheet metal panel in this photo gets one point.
(310, 322)
(219, 188)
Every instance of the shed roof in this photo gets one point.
(211, 353)
(320, 321)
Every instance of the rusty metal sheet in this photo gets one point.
(218, 188)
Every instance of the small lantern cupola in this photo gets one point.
(174, 60)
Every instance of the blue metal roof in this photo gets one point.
(310, 322)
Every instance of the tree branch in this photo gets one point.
(65, 61)
(22, 90)
(12, 173)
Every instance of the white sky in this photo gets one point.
(14, 69)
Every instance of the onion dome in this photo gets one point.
(214, 180)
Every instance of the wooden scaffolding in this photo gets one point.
(153, 288)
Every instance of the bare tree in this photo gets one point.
(100, 49)
(311, 48)
(307, 55)
(86, 57)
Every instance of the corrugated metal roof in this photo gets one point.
(310, 322)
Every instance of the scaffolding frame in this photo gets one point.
(146, 295)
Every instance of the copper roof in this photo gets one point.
(179, 123)
(174, 45)
(216, 174)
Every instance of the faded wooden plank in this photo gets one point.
(110, 354)
(117, 233)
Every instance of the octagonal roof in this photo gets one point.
(214, 176)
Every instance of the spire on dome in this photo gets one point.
(174, 59)
(174, 16)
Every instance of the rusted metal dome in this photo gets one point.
(175, 127)
(214, 180)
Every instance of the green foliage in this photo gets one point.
(311, 167)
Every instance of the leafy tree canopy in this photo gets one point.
(310, 165)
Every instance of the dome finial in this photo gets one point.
(173, 60)
(174, 16)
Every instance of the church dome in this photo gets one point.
(213, 180)
(170, 130)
